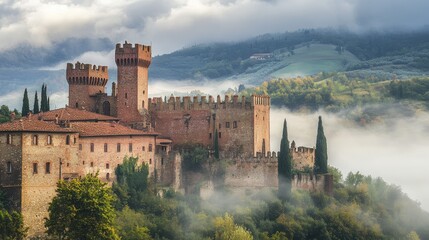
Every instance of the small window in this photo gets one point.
(92, 147)
(210, 135)
(143, 104)
(35, 140)
(107, 166)
(150, 147)
(77, 105)
(35, 168)
(9, 139)
(150, 160)
(220, 125)
(92, 164)
(118, 147)
(80, 147)
(126, 95)
(227, 124)
(105, 147)
(68, 140)
(143, 149)
(130, 147)
(107, 176)
(83, 162)
(220, 134)
(234, 124)
(74, 140)
(49, 142)
(68, 164)
(162, 161)
(9, 167)
(48, 168)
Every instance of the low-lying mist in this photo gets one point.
(394, 148)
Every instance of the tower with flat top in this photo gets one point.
(132, 97)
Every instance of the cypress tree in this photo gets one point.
(25, 104)
(216, 145)
(49, 106)
(36, 104)
(284, 168)
(44, 101)
(321, 158)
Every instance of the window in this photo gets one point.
(150, 160)
(35, 168)
(234, 124)
(210, 135)
(35, 140)
(9, 139)
(126, 95)
(143, 149)
(74, 140)
(9, 167)
(49, 142)
(68, 140)
(107, 166)
(83, 162)
(48, 168)
(150, 147)
(227, 124)
(118, 147)
(107, 176)
(220, 125)
(92, 164)
(92, 147)
(105, 147)
(77, 105)
(220, 134)
(162, 161)
(143, 104)
(80, 147)
(68, 164)
(130, 147)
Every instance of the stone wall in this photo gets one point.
(243, 127)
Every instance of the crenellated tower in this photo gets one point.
(132, 96)
(85, 82)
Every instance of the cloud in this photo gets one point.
(171, 25)
(395, 149)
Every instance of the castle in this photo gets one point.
(96, 131)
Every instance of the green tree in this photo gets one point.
(49, 105)
(284, 168)
(36, 104)
(131, 225)
(82, 209)
(321, 155)
(216, 145)
(11, 226)
(25, 104)
(227, 230)
(44, 101)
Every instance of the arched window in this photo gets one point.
(77, 105)
(68, 140)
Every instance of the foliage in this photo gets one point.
(226, 229)
(36, 104)
(284, 166)
(321, 155)
(25, 104)
(45, 100)
(5, 114)
(11, 225)
(82, 209)
(131, 225)
(194, 157)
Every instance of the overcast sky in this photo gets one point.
(172, 24)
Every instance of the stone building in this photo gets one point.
(96, 131)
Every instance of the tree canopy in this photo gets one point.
(321, 155)
(284, 166)
(82, 209)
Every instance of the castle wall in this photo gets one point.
(38, 188)
(10, 182)
(168, 169)
(105, 104)
(303, 157)
(242, 126)
(105, 162)
(132, 97)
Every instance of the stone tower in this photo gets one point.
(85, 82)
(132, 96)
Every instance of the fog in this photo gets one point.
(395, 149)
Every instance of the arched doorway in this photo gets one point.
(106, 108)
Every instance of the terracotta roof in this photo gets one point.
(72, 115)
(32, 125)
(98, 129)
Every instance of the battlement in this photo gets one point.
(127, 55)
(202, 102)
(86, 74)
